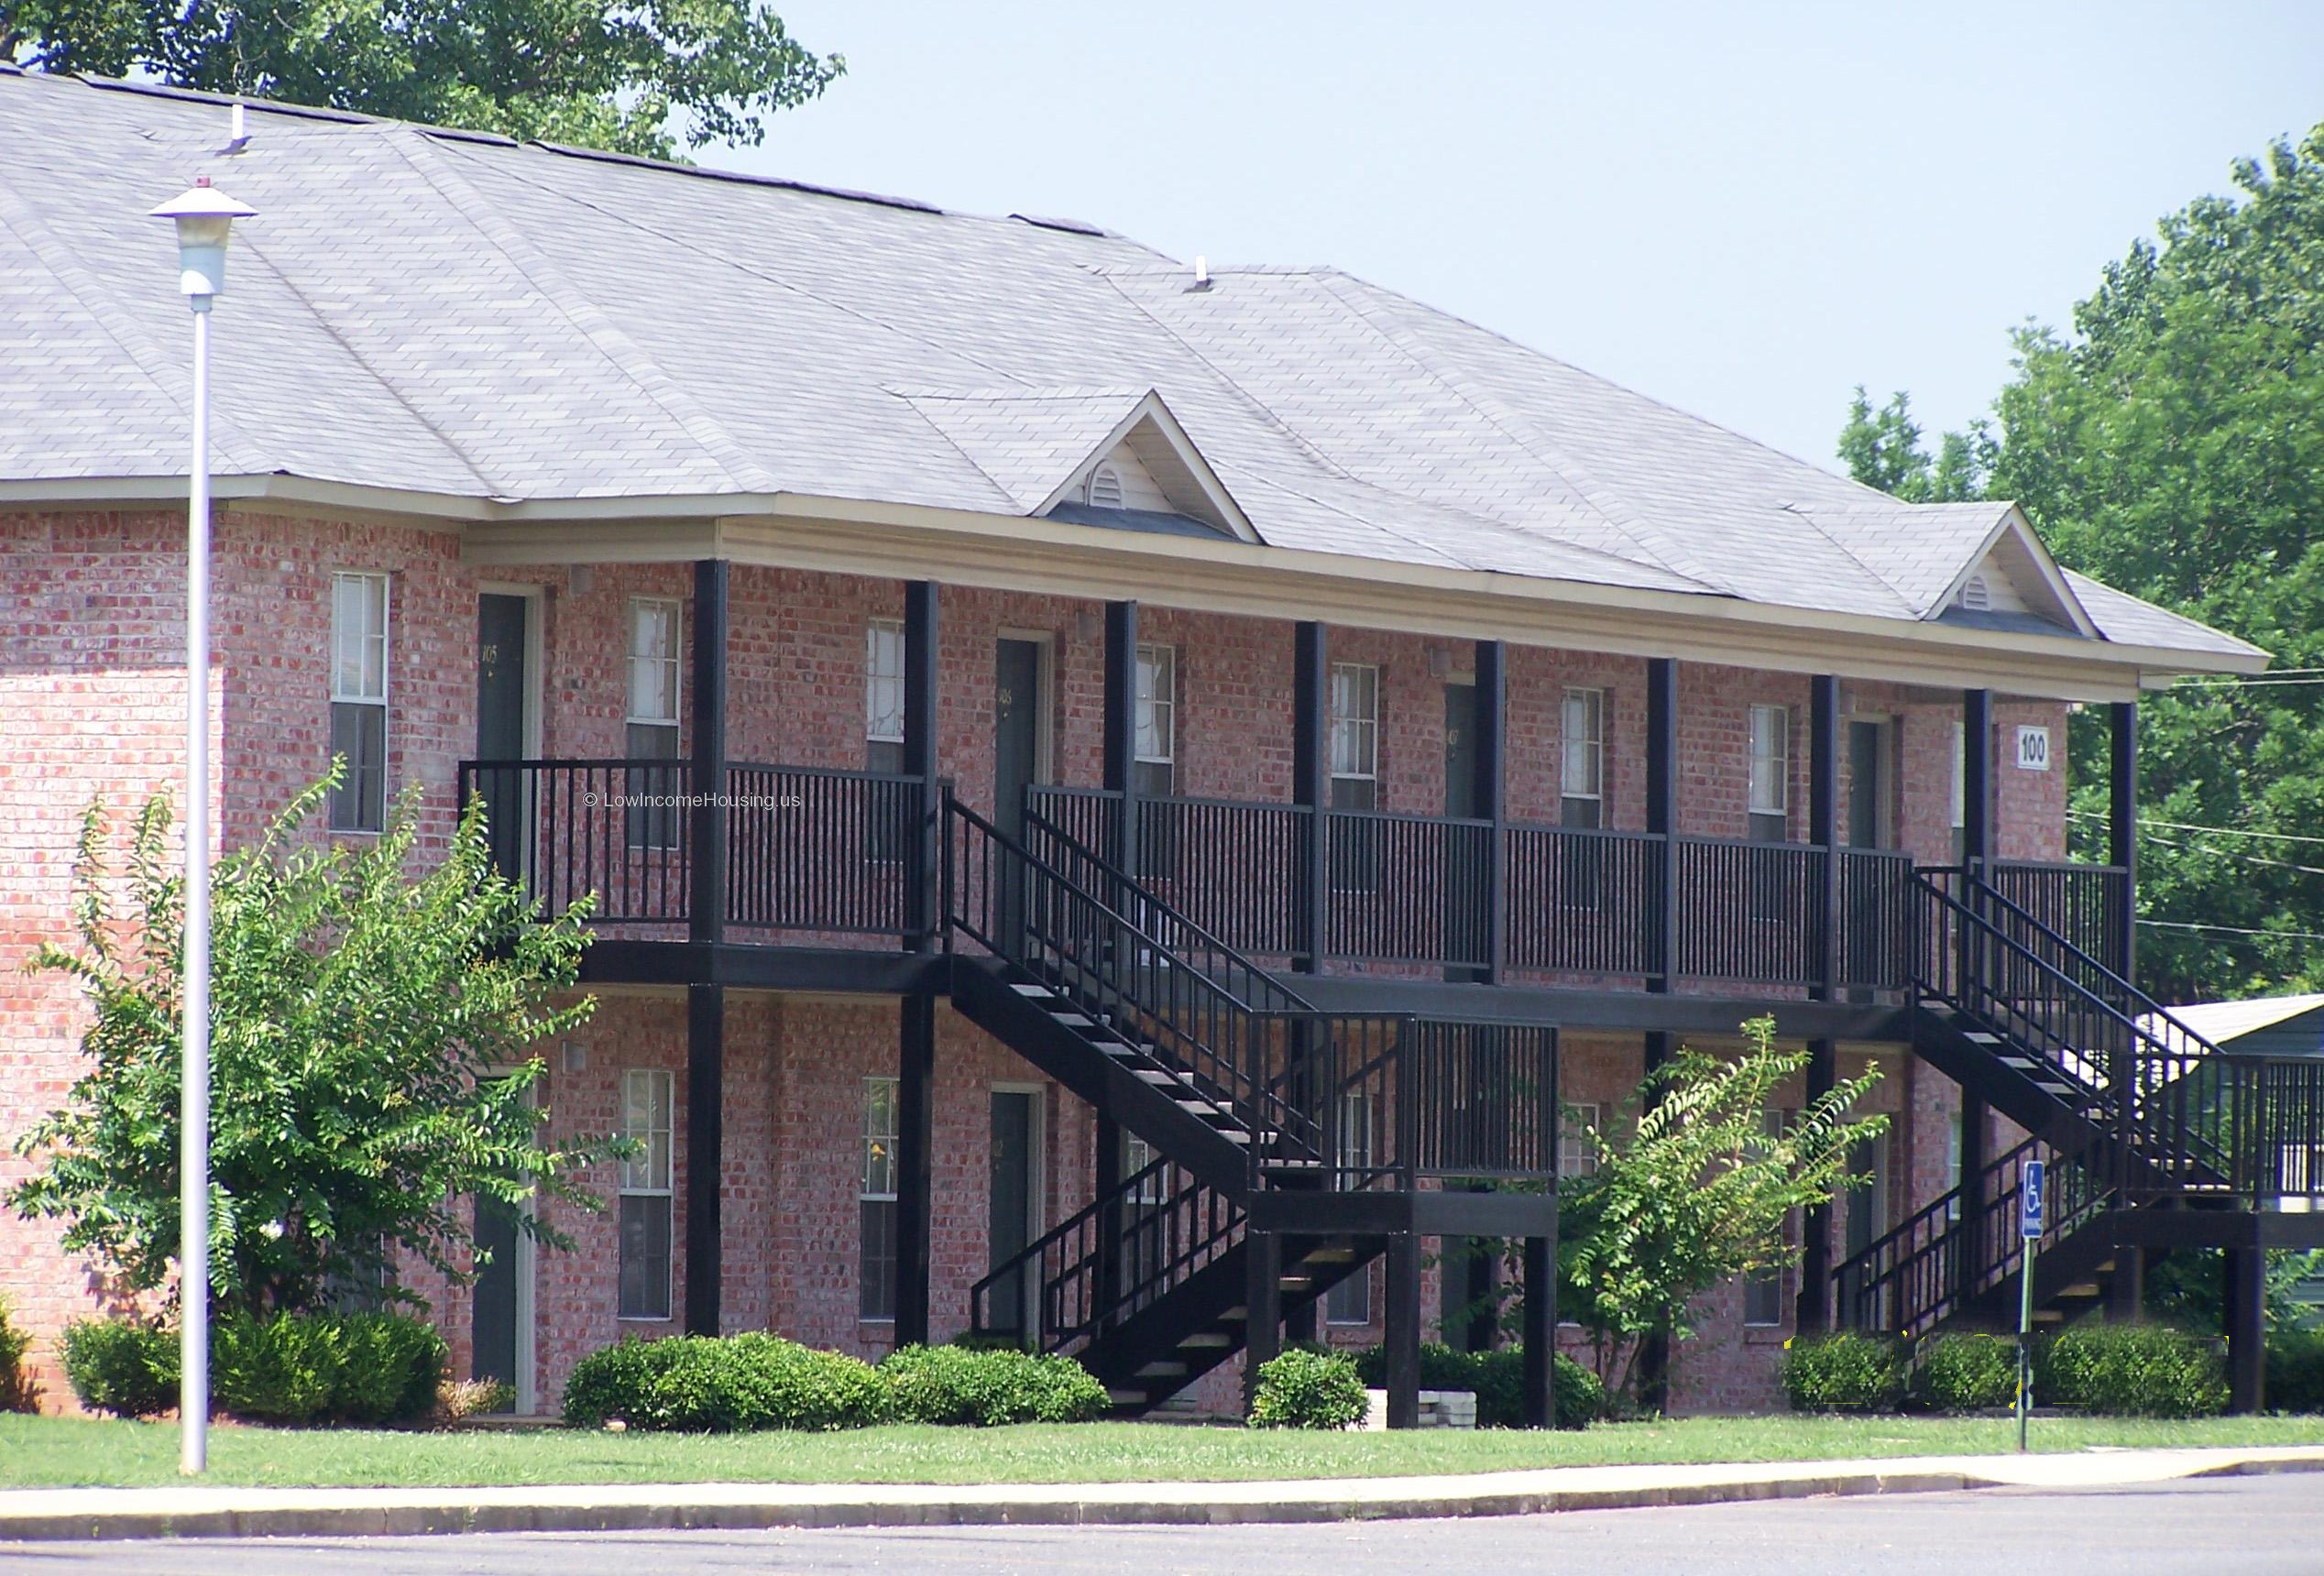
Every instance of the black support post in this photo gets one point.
(705, 1152)
(920, 632)
(1121, 742)
(1662, 811)
(1312, 785)
(706, 906)
(1976, 777)
(2245, 1307)
(1403, 1331)
(1107, 1187)
(1262, 1306)
(2121, 834)
(1492, 796)
(1823, 822)
(1812, 1311)
(706, 926)
(1654, 1348)
(2126, 1289)
(915, 1123)
(1975, 1131)
(1539, 1334)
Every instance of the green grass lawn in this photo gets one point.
(56, 1451)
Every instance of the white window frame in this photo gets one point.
(877, 1089)
(1576, 1155)
(1582, 758)
(671, 663)
(363, 694)
(884, 682)
(638, 1177)
(1355, 734)
(1156, 733)
(1356, 1143)
(1770, 768)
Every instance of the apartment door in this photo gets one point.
(1464, 887)
(1014, 1201)
(504, 630)
(1865, 930)
(500, 1303)
(1867, 1222)
(1016, 754)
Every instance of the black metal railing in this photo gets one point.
(1123, 1252)
(1584, 901)
(567, 829)
(815, 850)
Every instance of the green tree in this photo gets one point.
(2173, 446)
(370, 1065)
(1882, 449)
(1695, 1184)
(584, 72)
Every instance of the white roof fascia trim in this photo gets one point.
(1151, 408)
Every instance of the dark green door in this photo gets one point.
(1011, 1223)
(501, 682)
(1016, 760)
(494, 1333)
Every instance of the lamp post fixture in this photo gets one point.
(204, 218)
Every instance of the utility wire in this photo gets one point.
(2233, 929)
(2210, 831)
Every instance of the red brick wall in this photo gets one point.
(91, 698)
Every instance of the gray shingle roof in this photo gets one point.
(456, 314)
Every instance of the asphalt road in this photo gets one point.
(2215, 1527)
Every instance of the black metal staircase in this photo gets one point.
(1253, 1102)
(2130, 1111)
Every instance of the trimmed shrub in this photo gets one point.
(123, 1366)
(391, 1367)
(1846, 1370)
(1498, 1379)
(2296, 1371)
(1309, 1390)
(16, 1390)
(1965, 1372)
(2133, 1371)
(734, 1384)
(988, 1388)
(300, 1368)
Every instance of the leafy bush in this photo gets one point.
(1844, 1370)
(1309, 1390)
(392, 1365)
(123, 1366)
(325, 1367)
(2296, 1371)
(733, 1384)
(16, 1390)
(1965, 1372)
(460, 1399)
(989, 1386)
(2133, 1371)
(1497, 1378)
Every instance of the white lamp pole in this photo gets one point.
(204, 219)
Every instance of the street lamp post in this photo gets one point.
(204, 218)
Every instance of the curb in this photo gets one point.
(756, 1508)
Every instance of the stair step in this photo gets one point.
(1238, 1314)
(1330, 1256)
(1234, 1135)
(1981, 1036)
(1154, 1075)
(1209, 1338)
(1163, 1371)
(1123, 1395)
(1025, 990)
(1295, 1282)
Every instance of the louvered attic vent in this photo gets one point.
(1977, 597)
(1105, 487)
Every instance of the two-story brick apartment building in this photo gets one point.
(1120, 797)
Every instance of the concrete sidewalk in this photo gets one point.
(37, 1514)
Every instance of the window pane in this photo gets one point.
(360, 637)
(654, 815)
(1771, 726)
(883, 680)
(1581, 766)
(879, 1137)
(359, 732)
(875, 1269)
(1158, 703)
(654, 660)
(645, 1255)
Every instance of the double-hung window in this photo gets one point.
(653, 815)
(889, 835)
(875, 1267)
(1355, 775)
(1764, 1288)
(359, 700)
(1576, 1154)
(1581, 795)
(1350, 1302)
(1771, 803)
(645, 1193)
(1959, 805)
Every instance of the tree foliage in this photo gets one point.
(370, 1064)
(583, 71)
(1695, 1184)
(2173, 446)
(1882, 449)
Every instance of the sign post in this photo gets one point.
(2030, 1220)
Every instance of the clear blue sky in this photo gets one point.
(1743, 209)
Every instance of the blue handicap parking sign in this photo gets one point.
(2029, 1200)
